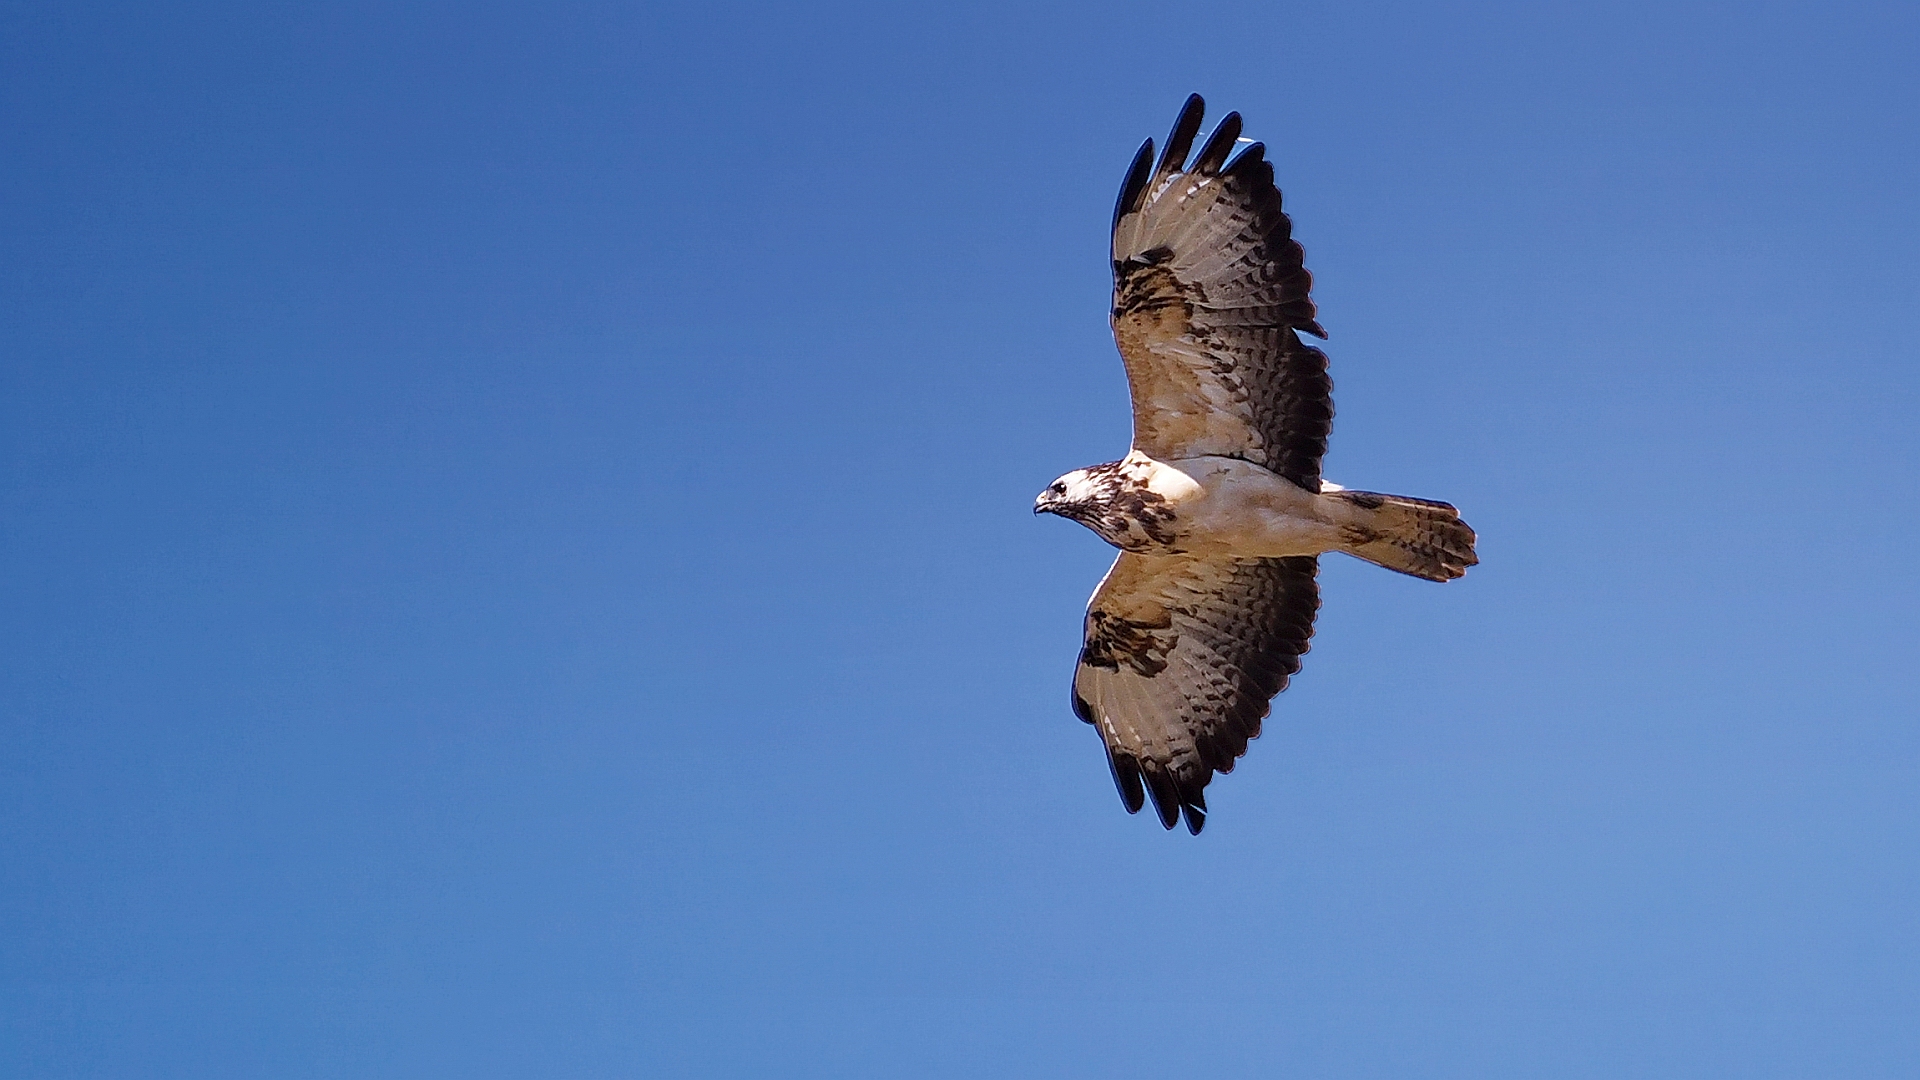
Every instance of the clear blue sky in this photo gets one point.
(515, 556)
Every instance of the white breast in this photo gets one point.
(1230, 506)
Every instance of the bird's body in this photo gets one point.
(1229, 507)
(1219, 510)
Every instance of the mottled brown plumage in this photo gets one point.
(1230, 632)
(1219, 511)
(1210, 295)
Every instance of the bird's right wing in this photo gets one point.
(1182, 658)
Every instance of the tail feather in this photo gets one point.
(1414, 536)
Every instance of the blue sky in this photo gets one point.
(515, 555)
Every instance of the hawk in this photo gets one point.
(1218, 510)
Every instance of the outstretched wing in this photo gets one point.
(1209, 289)
(1182, 658)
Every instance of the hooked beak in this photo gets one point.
(1053, 500)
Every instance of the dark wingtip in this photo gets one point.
(1166, 797)
(1196, 818)
(1219, 145)
(1248, 159)
(1180, 139)
(1080, 707)
(1194, 808)
(1126, 779)
(1137, 176)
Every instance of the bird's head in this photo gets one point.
(1116, 501)
(1074, 496)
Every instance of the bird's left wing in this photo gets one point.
(1210, 295)
(1181, 661)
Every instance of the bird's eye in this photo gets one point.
(1058, 488)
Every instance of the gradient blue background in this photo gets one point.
(515, 555)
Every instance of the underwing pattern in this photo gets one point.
(1210, 296)
(1181, 661)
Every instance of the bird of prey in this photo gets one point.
(1219, 510)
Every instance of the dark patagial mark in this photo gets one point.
(1147, 292)
(1112, 641)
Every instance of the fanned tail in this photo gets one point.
(1414, 536)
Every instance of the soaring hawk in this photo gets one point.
(1219, 510)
